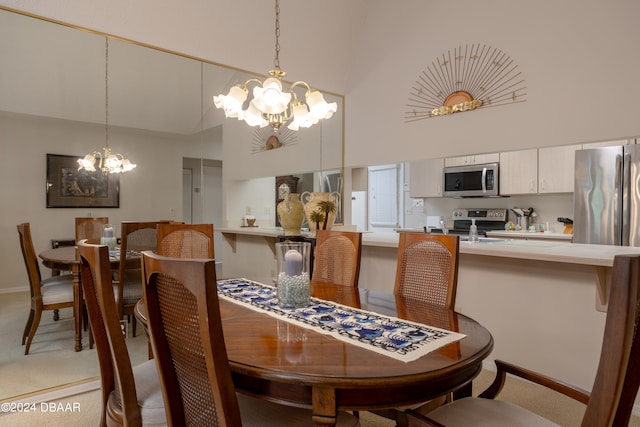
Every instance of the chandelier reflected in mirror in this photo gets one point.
(270, 105)
(105, 160)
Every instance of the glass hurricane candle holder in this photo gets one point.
(293, 288)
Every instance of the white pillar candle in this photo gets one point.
(108, 232)
(292, 263)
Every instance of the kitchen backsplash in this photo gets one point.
(548, 208)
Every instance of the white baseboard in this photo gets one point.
(58, 392)
(13, 290)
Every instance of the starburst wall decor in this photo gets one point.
(267, 139)
(465, 79)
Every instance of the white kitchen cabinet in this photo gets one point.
(556, 168)
(473, 159)
(426, 178)
(519, 172)
(609, 143)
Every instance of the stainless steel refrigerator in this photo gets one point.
(607, 196)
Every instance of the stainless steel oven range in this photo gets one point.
(487, 219)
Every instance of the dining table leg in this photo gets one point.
(324, 408)
(77, 305)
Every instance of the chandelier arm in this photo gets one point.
(252, 80)
(300, 83)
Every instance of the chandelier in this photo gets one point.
(106, 161)
(270, 104)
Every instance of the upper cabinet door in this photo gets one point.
(608, 143)
(473, 159)
(426, 178)
(519, 172)
(556, 169)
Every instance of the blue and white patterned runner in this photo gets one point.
(401, 339)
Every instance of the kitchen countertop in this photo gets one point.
(530, 235)
(539, 250)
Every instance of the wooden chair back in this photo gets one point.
(337, 257)
(618, 377)
(30, 259)
(115, 366)
(427, 267)
(180, 240)
(136, 236)
(185, 330)
(90, 228)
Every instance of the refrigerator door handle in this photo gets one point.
(626, 200)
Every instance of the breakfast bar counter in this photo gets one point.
(502, 246)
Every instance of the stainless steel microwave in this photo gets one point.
(471, 180)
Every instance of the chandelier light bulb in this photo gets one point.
(232, 102)
(318, 107)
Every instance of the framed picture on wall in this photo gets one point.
(68, 187)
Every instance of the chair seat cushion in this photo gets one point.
(150, 399)
(149, 394)
(256, 412)
(480, 412)
(65, 279)
(55, 292)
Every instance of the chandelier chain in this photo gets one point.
(276, 61)
(106, 92)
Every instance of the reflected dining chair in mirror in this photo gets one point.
(186, 240)
(185, 328)
(427, 270)
(614, 390)
(90, 228)
(337, 257)
(53, 293)
(131, 395)
(136, 236)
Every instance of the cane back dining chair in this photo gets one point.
(90, 228)
(427, 268)
(136, 236)
(131, 396)
(179, 240)
(337, 257)
(616, 383)
(185, 329)
(53, 293)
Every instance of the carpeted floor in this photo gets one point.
(52, 360)
(83, 409)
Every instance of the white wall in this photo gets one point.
(580, 72)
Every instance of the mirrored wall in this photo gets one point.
(56, 75)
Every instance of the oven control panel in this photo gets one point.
(485, 214)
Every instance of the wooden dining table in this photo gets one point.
(65, 258)
(281, 362)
